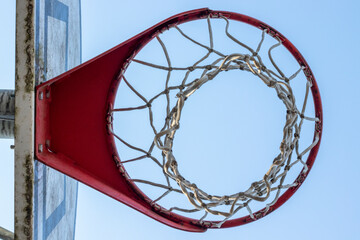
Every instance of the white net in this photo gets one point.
(208, 67)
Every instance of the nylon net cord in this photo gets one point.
(273, 179)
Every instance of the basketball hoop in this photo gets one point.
(66, 110)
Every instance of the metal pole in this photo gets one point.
(7, 113)
(24, 119)
(6, 234)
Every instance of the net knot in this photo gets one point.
(272, 84)
(291, 111)
(283, 146)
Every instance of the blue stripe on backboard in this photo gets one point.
(75, 206)
(37, 65)
(37, 20)
(80, 62)
(36, 207)
(53, 220)
(60, 11)
(80, 31)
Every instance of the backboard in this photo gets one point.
(48, 43)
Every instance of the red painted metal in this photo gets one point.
(72, 123)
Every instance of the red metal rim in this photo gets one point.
(201, 14)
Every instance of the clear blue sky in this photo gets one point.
(325, 32)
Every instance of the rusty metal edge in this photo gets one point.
(6, 234)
